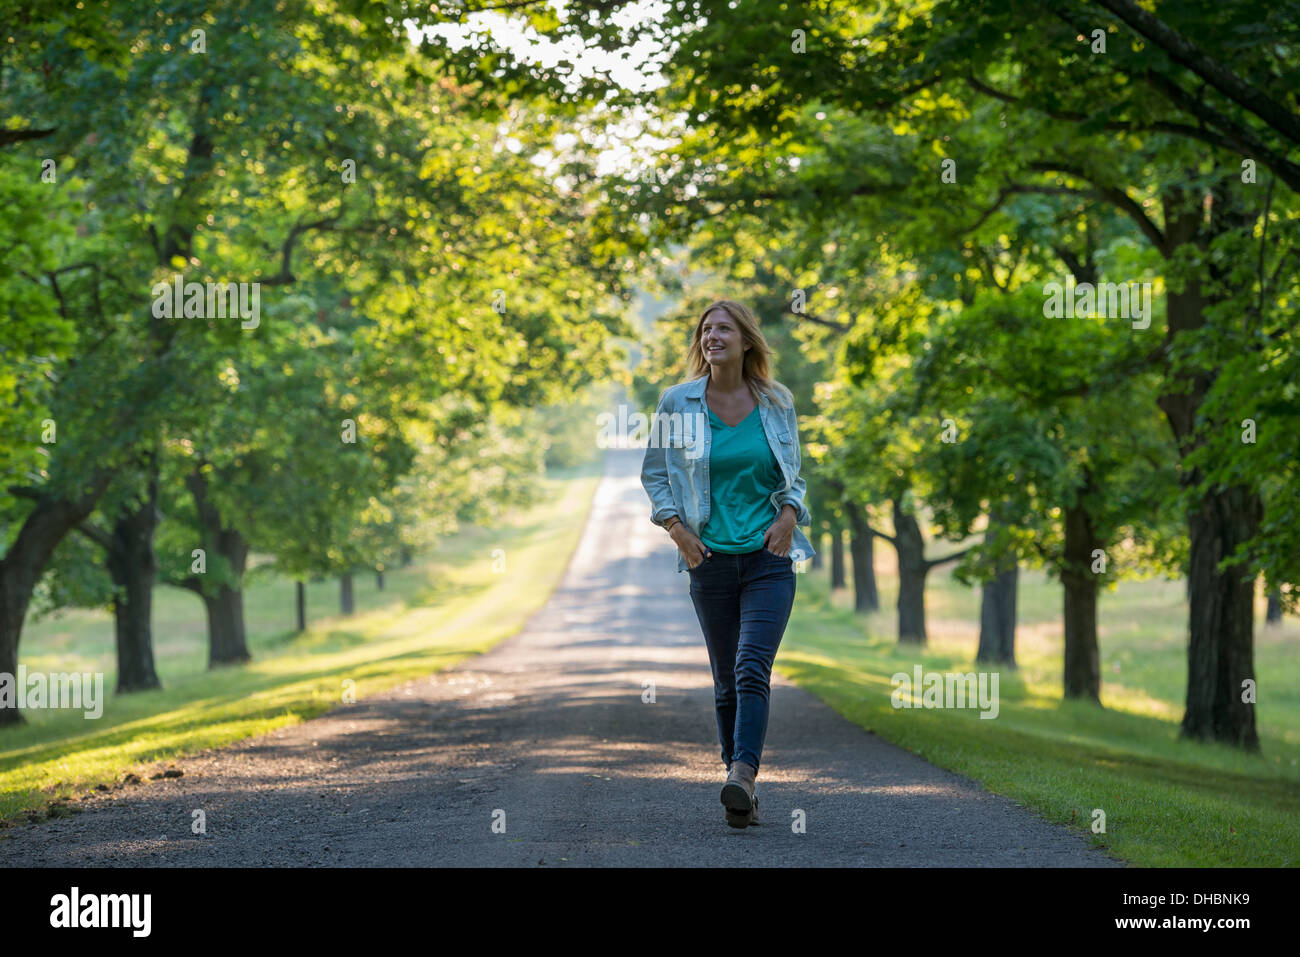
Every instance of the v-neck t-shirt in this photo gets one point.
(743, 474)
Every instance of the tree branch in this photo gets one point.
(889, 538)
(1082, 272)
(189, 584)
(1156, 126)
(1227, 135)
(828, 323)
(1263, 241)
(931, 562)
(1184, 52)
(1115, 196)
(17, 136)
(1234, 136)
(1007, 191)
(285, 276)
(96, 535)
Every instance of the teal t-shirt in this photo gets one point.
(743, 474)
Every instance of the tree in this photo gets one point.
(246, 167)
(1166, 84)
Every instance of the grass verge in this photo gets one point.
(1167, 802)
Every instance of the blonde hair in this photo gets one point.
(756, 368)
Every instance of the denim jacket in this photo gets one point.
(675, 471)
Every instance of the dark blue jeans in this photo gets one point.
(743, 603)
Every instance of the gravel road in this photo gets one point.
(542, 752)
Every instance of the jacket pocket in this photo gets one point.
(785, 445)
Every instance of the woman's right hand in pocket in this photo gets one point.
(689, 544)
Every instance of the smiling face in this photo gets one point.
(721, 340)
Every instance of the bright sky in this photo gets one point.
(635, 67)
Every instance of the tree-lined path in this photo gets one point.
(550, 727)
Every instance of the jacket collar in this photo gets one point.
(696, 387)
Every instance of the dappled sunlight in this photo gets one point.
(1135, 701)
(1042, 742)
(911, 790)
(377, 647)
(789, 656)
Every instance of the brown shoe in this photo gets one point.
(738, 793)
(741, 819)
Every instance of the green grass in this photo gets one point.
(446, 606)
(1167, 802)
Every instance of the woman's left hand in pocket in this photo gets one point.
(779, 535)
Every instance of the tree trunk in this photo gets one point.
(227, 643)
(41, 531)
(997, 641)
(817, 541)
(997, 618)
(1220, 652)
(300, 602)
(379, 579)
(862, 546)
(346, 603)
(1274, 613)
(1220, 648)
(133, 568)
(1082, 658)
(406, 556)
(837, 556)
(912, 571)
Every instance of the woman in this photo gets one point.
(722, 472)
